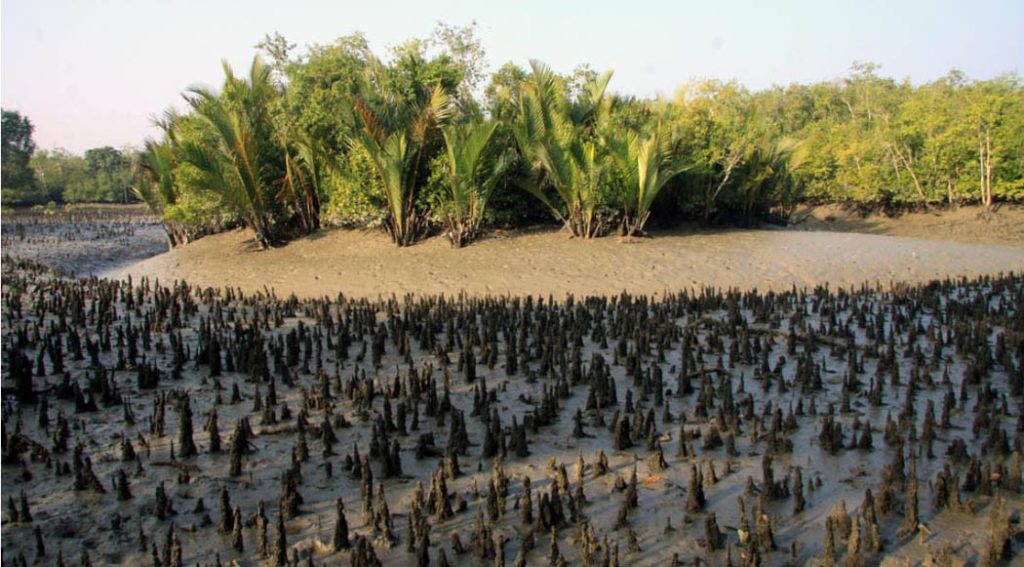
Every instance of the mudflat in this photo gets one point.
(655, 427)
(547, 262)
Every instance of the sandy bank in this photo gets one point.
(365, 263)
(971, 224)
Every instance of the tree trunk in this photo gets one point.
(981, 171)
(633, 225)
(712, 196)
(988, 168)
(917, 184)
(908, 164)
(985, 169)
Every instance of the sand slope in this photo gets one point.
(1004, 227)
(365, 263)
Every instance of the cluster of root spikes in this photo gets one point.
(157, 423)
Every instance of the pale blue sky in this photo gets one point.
(93, 72)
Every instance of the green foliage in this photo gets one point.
(354, 197)
(874, 141)
(864, 140)
(191, 208)
(398, 145)
(471, 174)
(184, 217)
(322, 88)
(767, 175)
(251, 167)
(558, 139)
(645, 164)
(103, 175)
(156, 185)
(19, 183)
(410, 143)
(58, 172)
(239, 167)
(112, 171)
(503, 91)
(467, 54)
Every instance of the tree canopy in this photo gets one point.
(18, 178)
(103, 174)
(422, 140)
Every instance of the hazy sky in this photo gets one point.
(93, 72)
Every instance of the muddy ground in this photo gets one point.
(962, 339)
(86, 240)
(545, 261)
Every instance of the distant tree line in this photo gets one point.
(32, 176)
(424, 141)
